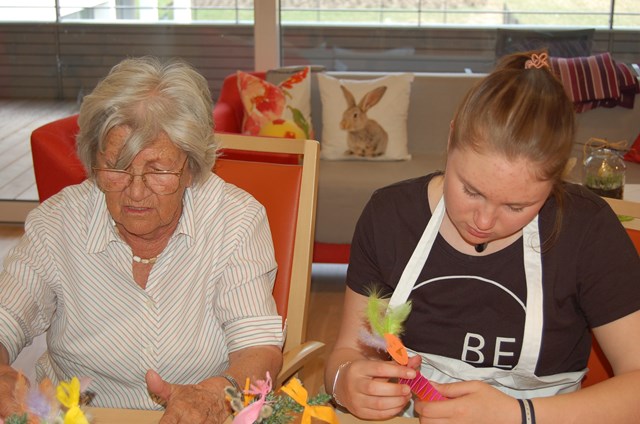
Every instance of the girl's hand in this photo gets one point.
(470, 402)
(363, 387)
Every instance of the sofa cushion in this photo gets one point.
(344, 188)
(282, 110)
(365, 119)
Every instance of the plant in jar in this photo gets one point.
(605, 173)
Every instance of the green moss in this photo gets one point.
(605, 182)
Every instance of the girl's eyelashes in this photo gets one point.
(474, 194)
(469, 192)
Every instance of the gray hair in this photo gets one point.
(150, 97)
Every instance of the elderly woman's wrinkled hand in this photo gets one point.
(202, 403)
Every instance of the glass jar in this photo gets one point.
(604, 172)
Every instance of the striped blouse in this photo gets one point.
(208, 294)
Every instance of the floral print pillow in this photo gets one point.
(282, 110)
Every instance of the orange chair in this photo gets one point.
(288, 193)
(599, 367)
(287, 190)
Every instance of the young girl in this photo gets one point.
(509, 270)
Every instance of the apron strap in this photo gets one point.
(533, 325)
(418, 258)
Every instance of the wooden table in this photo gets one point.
(123, 416)
(133, 416)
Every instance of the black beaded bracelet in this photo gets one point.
(532, 411)
(527, 412)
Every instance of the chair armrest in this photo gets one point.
(297, 358)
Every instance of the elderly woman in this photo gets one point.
(153, 277)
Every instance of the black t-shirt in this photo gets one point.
(472, 308)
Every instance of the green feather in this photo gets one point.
(395, 318)
(374, 311)
(384, 319)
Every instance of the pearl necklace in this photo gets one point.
(145, 260)
(137, 258)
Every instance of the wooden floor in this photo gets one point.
(325, 309)
(18, 118)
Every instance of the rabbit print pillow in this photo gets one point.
(365, 119)
(282, 110)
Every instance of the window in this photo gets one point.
(582, 13)
(407, 13)
(446, 35)
(80, 40)
(127, 11)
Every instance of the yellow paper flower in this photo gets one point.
(68, 394)
(75, 416)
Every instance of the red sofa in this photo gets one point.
(53, 149)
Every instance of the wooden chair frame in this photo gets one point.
(297, 351)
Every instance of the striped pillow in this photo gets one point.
(588, 79)
(629, 85)
(594, 81)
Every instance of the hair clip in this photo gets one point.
(537, 61)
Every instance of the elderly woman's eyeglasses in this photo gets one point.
(159, 182)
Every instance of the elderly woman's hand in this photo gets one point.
(202, 403)
(8, 380)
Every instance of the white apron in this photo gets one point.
(521, 381)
